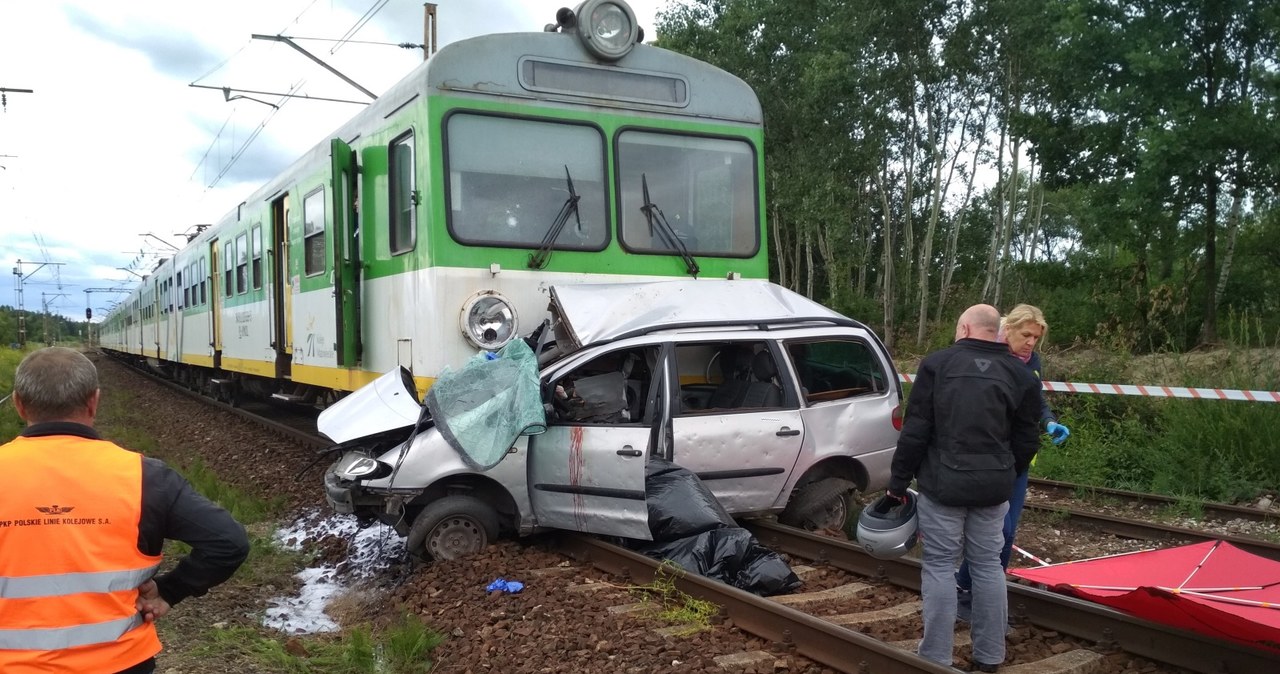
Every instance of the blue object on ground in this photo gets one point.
(504, 585)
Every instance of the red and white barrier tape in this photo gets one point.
(1150, 391)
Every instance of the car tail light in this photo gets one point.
(897, 417)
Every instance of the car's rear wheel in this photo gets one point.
(453, 527)
(820, 505)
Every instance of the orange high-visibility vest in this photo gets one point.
(69, 559)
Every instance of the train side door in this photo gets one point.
(281, 287)
(346, 253)
(157, 312)
(215, 302)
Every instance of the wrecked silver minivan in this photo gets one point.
(778, 404)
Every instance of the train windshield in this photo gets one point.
(705, 186)
(507, 181)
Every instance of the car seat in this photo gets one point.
(764, 391)
(733, 368)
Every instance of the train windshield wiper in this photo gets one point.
(658, 220)
(539, 258)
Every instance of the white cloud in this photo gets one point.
(114, 145)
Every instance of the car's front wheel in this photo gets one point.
(453, 527)
(820, 505)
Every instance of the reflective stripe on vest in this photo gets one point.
(70, 566)
(58, 638)
(74, 583)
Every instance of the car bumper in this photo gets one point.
(340, 494)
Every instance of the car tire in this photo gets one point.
(453, 527)
(820, 505)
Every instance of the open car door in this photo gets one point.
(587, 471)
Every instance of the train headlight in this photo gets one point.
(607, 28)
(488, 320)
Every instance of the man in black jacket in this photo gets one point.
(971, 428)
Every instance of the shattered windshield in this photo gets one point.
(706, 187)
(506, 182)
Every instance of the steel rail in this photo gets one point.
(832, 645)
(1154, 531)
(1106, 627)
(311, 440)
(1216, 510)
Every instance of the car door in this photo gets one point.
(744, 444)
(851, 402)
(587, 471)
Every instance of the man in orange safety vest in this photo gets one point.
(82, 527)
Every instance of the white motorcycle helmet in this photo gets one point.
(888, 528)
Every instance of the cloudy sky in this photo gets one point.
(114, 156)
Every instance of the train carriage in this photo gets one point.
(431, 224)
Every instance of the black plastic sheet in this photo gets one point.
(692, 530)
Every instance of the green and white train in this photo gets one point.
(430, 225)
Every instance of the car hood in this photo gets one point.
(592, 313)
(387, 403)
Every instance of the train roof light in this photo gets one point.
(607, 28)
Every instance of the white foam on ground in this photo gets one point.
(305, 614)
(371, 550)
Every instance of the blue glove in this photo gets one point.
(1057, 432)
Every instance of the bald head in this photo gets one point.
(56, 384)
(980, 321)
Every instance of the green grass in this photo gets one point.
(1214, 450)
(668, 603)
(245, 508)
(10, 424)
(403, 647)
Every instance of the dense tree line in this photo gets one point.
(40, 327)
(1115, 162)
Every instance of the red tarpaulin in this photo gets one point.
(1213, 588)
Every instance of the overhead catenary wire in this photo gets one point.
(358, 25)
(212, 143)
(404, 45)
(253, 136)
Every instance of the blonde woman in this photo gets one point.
(1022, 329)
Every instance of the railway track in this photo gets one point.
(1154, 531)
(289, 422)
(836, 642)
(1062, 491)
(1060, 499)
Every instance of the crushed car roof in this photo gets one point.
(599, 312)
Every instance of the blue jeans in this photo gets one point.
(1016, 499)
(948, 533)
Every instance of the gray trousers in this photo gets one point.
(949, 533)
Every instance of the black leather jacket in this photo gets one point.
(971, 425)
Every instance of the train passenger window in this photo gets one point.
(404, 191)
(186, 291)
(228, 259)
(508, 182)
(242, 264)
(256, 257)
(204, 280)
(706, 188)
(313, 233)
